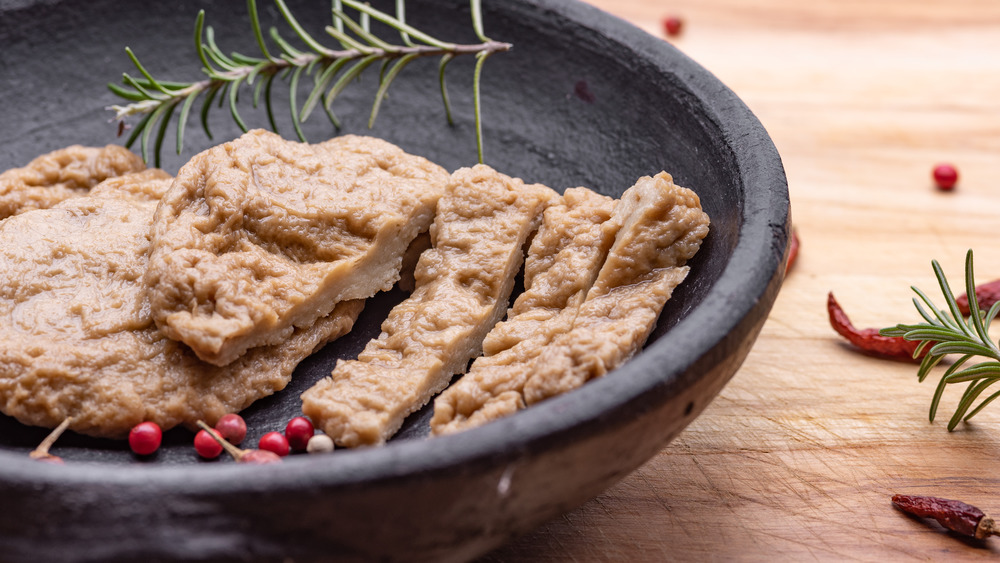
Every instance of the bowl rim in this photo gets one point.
(754, 263)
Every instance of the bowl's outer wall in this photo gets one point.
(617, 104)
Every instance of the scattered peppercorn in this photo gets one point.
(274, 442)
(320, 444)
(298, 431)
(145, 438)
(673, 25)
(41, 453)
(582, 91)
(232, 428)
(869, 339)
(206, 445)
(258, 457)
(241, 456)
(987, 295)
(952, 514)
(945, 176)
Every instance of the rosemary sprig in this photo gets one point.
(948, 332)
(153, 102)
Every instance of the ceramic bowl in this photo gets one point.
(582, 99)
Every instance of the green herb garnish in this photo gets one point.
(949, 332)
(155, 102)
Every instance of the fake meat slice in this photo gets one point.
(62, 174)
(562, 264)
(262, 235)
(563, 260)
(76, 336)
(462, 286)
(659, 227)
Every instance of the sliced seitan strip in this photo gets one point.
(661, 227)
(76, 335)
(563, 262)
(62, 174)
(463, 284)
(262, 235)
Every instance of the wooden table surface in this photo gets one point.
(798, 457)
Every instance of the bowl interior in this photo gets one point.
(568, 106)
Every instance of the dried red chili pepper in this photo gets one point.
(793, 251)
(952, 514)
(986, 295)
(869, 339)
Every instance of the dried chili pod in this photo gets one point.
(793, 251)
(986, 295)
(869, 339)
(952, 514)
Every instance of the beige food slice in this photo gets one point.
(62, 174)
(562, 263)
(76, 336)
(661, 227)
(262, 235)
(462, 286)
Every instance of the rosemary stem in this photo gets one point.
(275, 66)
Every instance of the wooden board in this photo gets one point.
(798, 457)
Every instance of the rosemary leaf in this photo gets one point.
(384, 86)
(267, 104)
(398, 25)
(152, 81)
(234, 92)
(349, 74)
(477, 20)
(162, 133)
(445, 59)
(297, 28)
(255, 26)
(477, 101)
(365, 33)
(293, 93)
(322, 82)
(206, 106)
(182, 120)
(401, 17)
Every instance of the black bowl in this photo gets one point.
(582, 99)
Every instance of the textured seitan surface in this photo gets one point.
(262, 235)
(76, 335)
(562, 263)
(659, 227)
(463, 284)
(62, 174)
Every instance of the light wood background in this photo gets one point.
(797, 458)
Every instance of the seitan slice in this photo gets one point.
(262, 235)
(463, 284)
(563, 261)
(62, 174)
(76, 335)
(659, 227)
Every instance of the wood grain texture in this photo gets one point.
(797, 458)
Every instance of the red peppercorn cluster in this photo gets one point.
(145, 439)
